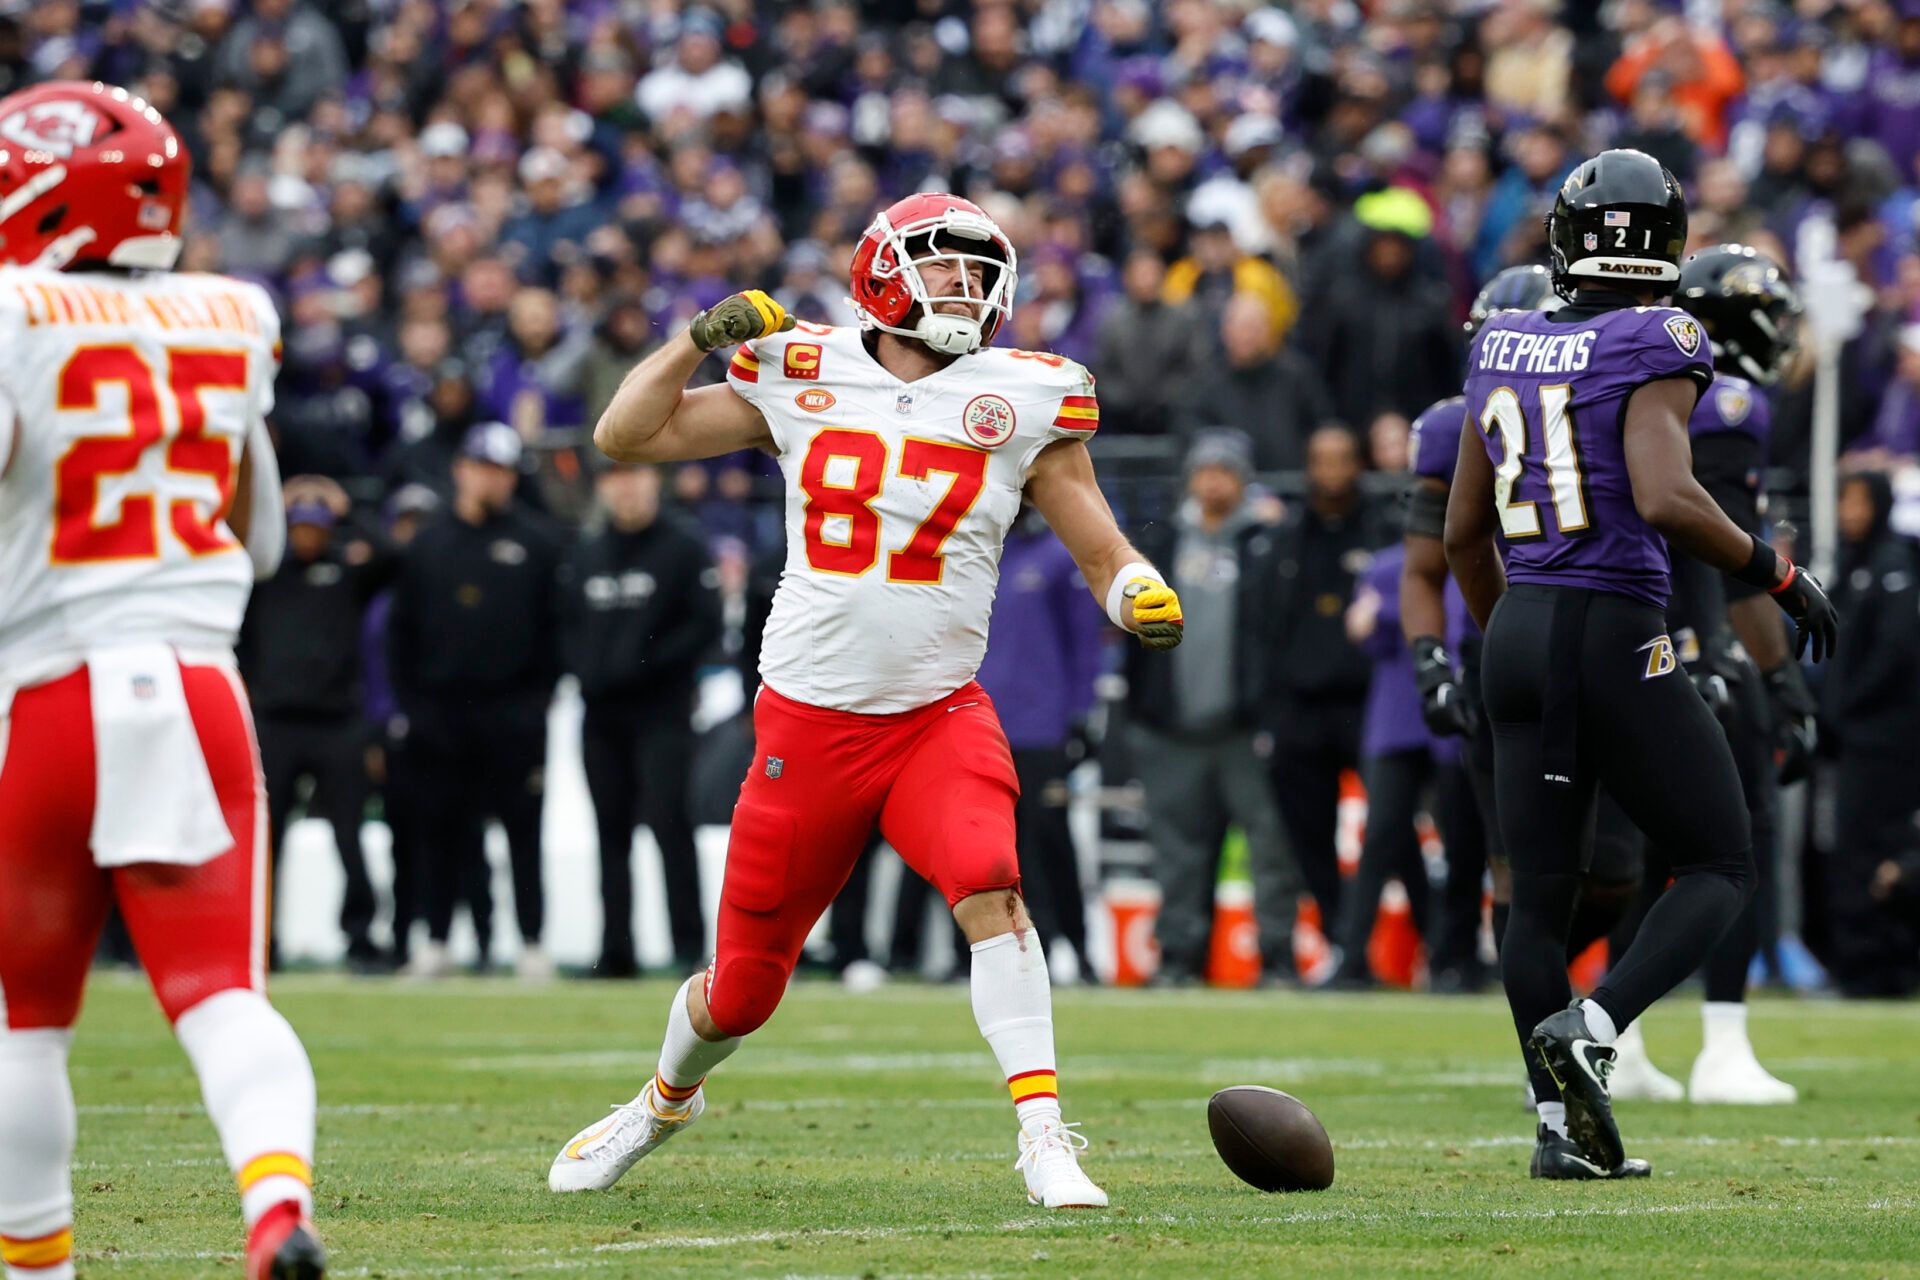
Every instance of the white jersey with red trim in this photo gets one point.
(899, 495)
(124, 405)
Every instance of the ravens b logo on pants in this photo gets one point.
(1661, 659)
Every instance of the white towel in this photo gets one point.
(153, 798)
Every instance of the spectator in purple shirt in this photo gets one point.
(1043, 654)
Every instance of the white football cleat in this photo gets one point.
(1730, 1073)
(1049, 1160)
(601, 1153)
(1635, 1078)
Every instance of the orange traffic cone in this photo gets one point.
(1233, 957)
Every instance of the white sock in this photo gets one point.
(258, 1086)
(1013, 1004)
(685, 1059)
(1724, 1023)
(37, 1125)
(1554, 1116)
(1600, 1022)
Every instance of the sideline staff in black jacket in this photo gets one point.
(475, 646)
(300, 650)
(642, 606)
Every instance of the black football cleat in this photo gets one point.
(1559, 1159)
(299, 1257)
(282, 1246)
(1581, 1066)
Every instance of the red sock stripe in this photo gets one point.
(39, 1252)
(1034, 1084)
(676, 1093)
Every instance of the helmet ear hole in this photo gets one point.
(51, 221)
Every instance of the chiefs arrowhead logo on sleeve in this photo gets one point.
(803, 361)
(57, 127)
(1685, 332)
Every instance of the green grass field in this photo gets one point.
(869, 1136)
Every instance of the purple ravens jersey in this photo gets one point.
(1436, 438)
(1732, 404)
(1548, 392)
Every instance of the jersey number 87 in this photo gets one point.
(919, 560)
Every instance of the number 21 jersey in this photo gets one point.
(1548, 393)
(125, 403)
(898, 498)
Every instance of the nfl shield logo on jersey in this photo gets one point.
(988, 421)
(775, 766)
(903, 403)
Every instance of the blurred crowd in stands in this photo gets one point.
(1265, 218)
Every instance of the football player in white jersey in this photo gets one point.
(139, 501)
(906, 444)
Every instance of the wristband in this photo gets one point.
(1116, 594)
(1761, 567)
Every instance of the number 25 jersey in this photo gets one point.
(132, 397)
(1548, 393)
(898, 498)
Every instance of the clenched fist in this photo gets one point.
(1155, 611)
(741, 318)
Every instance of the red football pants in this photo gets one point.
(940, 783)
(198, 930)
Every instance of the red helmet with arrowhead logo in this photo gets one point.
(89, 174)
(925, 228)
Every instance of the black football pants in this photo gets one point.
(1583, 689)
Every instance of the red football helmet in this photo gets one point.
(926, 228)
(89, 173)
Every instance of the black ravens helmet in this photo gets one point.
(1528, 288)
(1619, 218)
(1742, 299)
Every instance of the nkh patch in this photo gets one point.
(1734, 405)
(1661, 658)
(1685, 332)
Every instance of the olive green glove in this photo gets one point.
(741, 318)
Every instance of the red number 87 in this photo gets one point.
(920, 560)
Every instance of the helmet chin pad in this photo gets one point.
(949, 334)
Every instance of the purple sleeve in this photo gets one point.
(1436, 438)
(1673, 345)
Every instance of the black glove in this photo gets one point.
(1712, 687)
(1795, 726)
(1805, 601)
(1442, 704)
